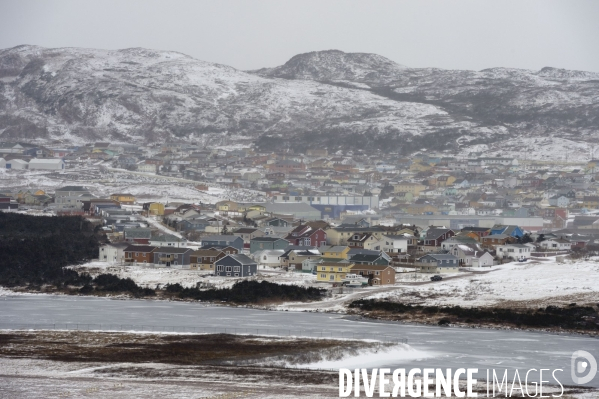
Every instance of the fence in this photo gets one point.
(274, 332)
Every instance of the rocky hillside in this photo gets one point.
(327, 98)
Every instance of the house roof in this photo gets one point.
(440, 256)
(138, 233)
(334, 248)
(266, 239)
(364, 258)
(139, 248)
(496, 237)
(245, 230)
(371, 267)
(45, 161)
(167, 238)
(221, 237)
(206, 252)
(436, 233)
(241, 258)
(172, 250)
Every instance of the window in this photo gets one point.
(323, 268)
(229, 274)
(236, 274)
(228, 268)
(332, 277)
(137, 254)
(388, 281)
(323, 275)
(377, 273)
(219, 268)
(236, 269)
(340, 269)
(298, 198)
(144, 255)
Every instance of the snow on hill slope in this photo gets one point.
(322, 99)
(335, 65)
(144, 95)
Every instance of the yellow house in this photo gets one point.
(332, 272)
(418, 167)
(445, 181)
(257, 207)
(335, 252)
(339, 236)
(126, 199)
(156, 208)
(227, 206)
(408, 187)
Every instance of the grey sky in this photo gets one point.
(249, 34)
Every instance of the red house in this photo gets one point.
(307, 236)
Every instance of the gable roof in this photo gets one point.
(241, 258)
(221, 237)
(139, 248)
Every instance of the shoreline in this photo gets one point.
(346, 314)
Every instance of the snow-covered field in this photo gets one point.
(144, 186)
(548, 149)
(149, 276)
(531, 284)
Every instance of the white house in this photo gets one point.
(559, 200)
(466, 253)
(146, 167)
(268, 257)
(113, 253)
(557, 244)
(482, 259)
(513, 251)
(17, 164)
(393, 243)
(46, 164)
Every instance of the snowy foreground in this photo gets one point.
(531, 284)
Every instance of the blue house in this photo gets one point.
(223, 241)
(236, 265)
(508, 230)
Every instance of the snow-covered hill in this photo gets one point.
(327, 98)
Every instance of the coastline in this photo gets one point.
(348, 314)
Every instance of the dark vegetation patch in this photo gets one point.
(35, 249)
(249, 292)
(573, 317)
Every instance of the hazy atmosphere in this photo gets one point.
(258, 198)
(254, 34)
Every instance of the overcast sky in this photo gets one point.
(250, 34)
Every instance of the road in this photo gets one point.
(336, 303)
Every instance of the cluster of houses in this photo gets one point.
(236, 247)
(430, 212)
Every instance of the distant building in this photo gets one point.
(46, 164)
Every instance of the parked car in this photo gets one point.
(436, 277)
(522, 259)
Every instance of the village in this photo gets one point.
(340, 220)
